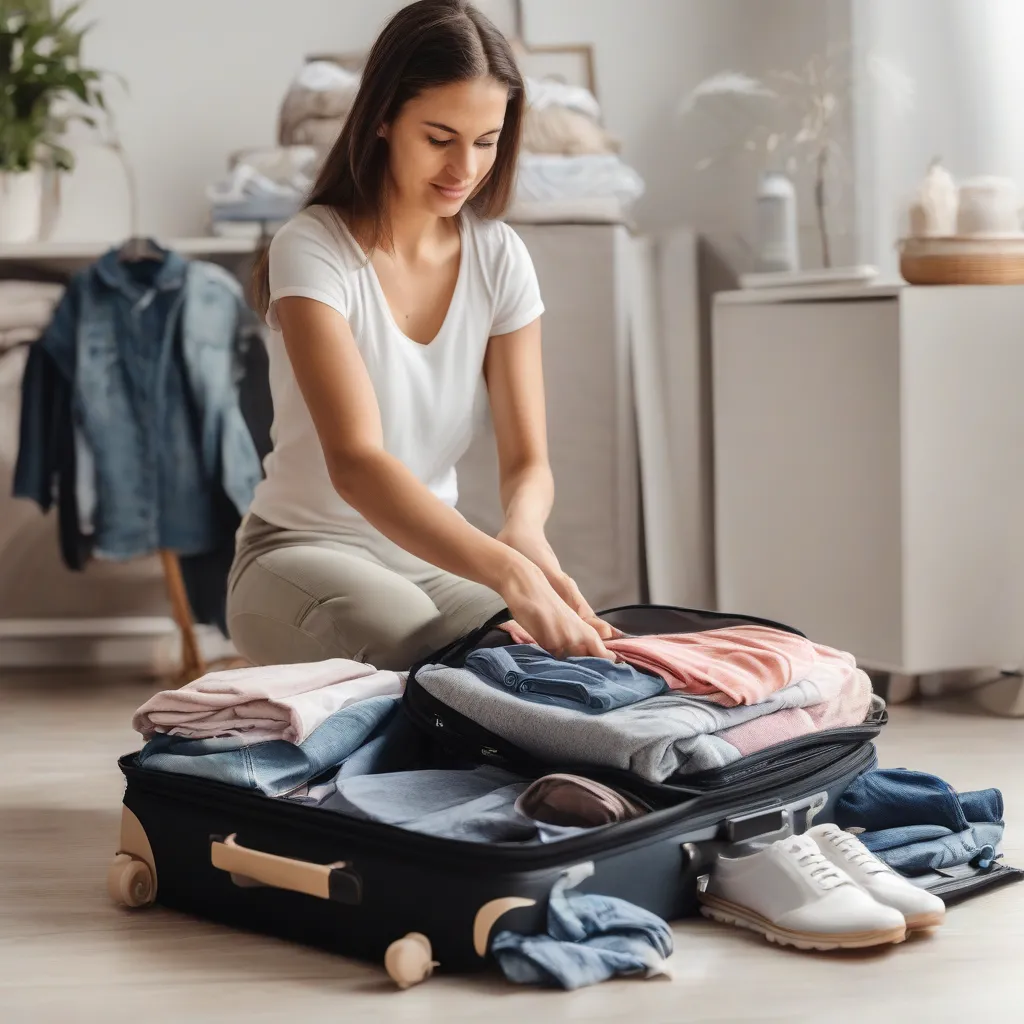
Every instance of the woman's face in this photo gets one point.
(444, 142)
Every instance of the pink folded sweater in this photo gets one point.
(276, 702)
(735, 665)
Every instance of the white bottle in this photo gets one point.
(777, 245)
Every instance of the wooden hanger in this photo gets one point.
(138, 248)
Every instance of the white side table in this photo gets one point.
(869, 467)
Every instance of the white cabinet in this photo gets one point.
(869, 470)
(595, 526)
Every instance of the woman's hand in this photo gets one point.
(534, 545)
(546, 616)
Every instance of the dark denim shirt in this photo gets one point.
(152, 354)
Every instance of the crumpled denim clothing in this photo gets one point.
(590, 938)
(275, 767)
(917, 822)
(581, 684)
(473, 805)
(152, 354)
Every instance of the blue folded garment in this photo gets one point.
(935, 847)
(590, 938)
(276, 767)
(591, 685)
(917, 822)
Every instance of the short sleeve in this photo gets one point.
(518, 300)
(306, 260)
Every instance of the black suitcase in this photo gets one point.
(354, 886)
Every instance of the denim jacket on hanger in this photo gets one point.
(158, 430)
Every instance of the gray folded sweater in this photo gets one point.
(666, 735)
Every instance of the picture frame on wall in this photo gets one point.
(570, 63)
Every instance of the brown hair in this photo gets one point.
(427, 44)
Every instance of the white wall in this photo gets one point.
(206, 77)
(964, 56)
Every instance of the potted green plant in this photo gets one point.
(43, 86)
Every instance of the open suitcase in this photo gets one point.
(354, 886)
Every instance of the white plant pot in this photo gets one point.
(21, 205)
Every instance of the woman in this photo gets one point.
(399, 305)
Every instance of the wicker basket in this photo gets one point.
(962, 260)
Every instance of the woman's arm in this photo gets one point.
(339, 394)
(514, 372)
(515, 385)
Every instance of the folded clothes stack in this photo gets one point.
(331, 734)
(262, 189)
(26, 308)
(675, 705)
(569, 164)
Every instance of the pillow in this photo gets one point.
(559, 130)
(317, 131)
(321, 90)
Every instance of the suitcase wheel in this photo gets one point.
(410, 960)
(130, 881)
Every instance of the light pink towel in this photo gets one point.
(276, 702)
(745, 664)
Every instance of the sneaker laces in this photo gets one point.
(818, 867)
(857, 853)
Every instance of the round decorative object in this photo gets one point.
(956, 260)
(130, 881)
(988, 206)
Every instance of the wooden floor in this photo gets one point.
(68, 955)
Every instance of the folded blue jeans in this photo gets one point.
(892, 797)
(581, 684)
(590, 938)
(276, 767)
(918, 848)
(917, 822)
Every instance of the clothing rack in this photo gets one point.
(55, 263)
(192, 663)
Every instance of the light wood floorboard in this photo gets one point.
(67, 954)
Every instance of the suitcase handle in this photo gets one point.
(337, 881)
(775, 822)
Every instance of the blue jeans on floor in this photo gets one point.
(590, 938)
(276, 767)
(917, 822)
(580, 684)
(913, 849)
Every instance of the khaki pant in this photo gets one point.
(297, 596)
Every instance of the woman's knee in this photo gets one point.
(291, 605)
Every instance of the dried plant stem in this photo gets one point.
(819, 205)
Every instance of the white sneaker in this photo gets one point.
(793, 895)
(921, 908)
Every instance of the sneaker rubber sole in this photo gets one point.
(924, 922)
(742, 917)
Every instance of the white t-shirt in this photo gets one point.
(431, 397)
